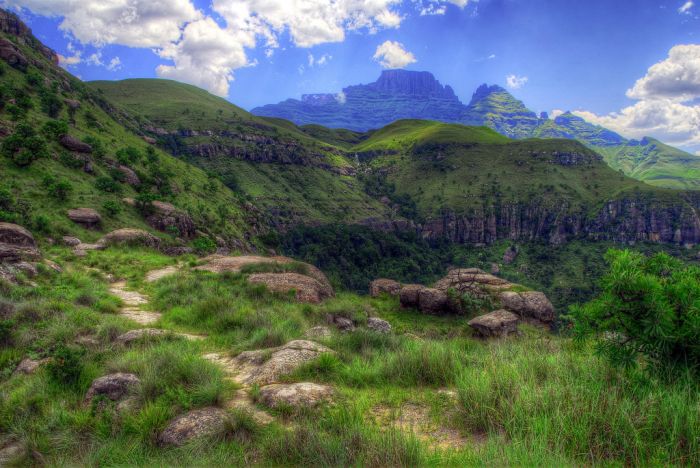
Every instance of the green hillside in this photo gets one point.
(282, 168)
(40, 179)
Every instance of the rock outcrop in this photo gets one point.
(140, 334)
(196, 424)
(529, 305)
(115, 387)
(73, 144)
(129, 236)
(85, 216)
(378, 325)
(498, 323)
(266, 366)
(16, 244)
(297, 395)
(408, 295)
(306, 288)
(384, 286)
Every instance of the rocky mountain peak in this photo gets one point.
(484, 91)
(413, 83)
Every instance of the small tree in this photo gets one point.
(649, 308)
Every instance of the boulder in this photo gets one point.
(12, 55)
(510, 255)
(29, 366)
(140, 335)
(73, 144)
(498, 323)
(495, 269)
(341, 323)
(408, 295)
(85, 216)
(529, 305)
(130, 237)
(165, 217)
(113, 386)
(130, 176)
(378, 325)
(433, 301)
(72, 104)
(471, 280)
(307, 289)
(303, 394)
(266, 366)
(204, 422)
(382, 286)
(149, 140)
(222, 264)
(16, 243)
(71, 241)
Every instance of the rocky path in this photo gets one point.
(133, 304)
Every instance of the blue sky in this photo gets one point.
(560, 54)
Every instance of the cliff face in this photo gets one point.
(12, 25)
(623, 220)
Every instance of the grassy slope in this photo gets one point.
(307, 193)
(537, 399)
(193, 190)
(444, 166)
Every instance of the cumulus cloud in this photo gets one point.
(114, 64)
(341, 98)
(515, 81)
(667, 104)
(685, 8)
(391, 54)
(318, 61)
(68, 61)
(555, 113)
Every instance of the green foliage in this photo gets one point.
(23, 147)
(128, 156)
(66, 366)
(108, 185)
(34, 78)
(60, 190)
(649, 307)
(55, 129)
(204, 245)
(111, 208)
(98, 148)
(51, 103)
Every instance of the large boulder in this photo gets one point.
(498, 323)
(433, 301)
(303, 394)
(266, 366)
(472, 280)
(408, 295)
(12, 55)
(130, 177)
(16, 243)
(384, 286)
(130, 236)
(29, 366)
(529, 305)
(222, 264)
(73, 144)
(378, 325)
(85, 216)
(204, 422)
(510, 255)
(115, 387)
(307, 289)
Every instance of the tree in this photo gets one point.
(648, 310)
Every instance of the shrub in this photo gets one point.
(128, 156)
(34, 78)
(107, 184)
(41, 223)
(51, 103)
(649, 308)
(55, 129)
(203, 245)
(66, 367)
(98, 148)
(61, 190)
(144, 203)
(111, 207)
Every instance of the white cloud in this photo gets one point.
(555, 113)
(341, 98)
(391, 54)
(114, 64)
(320, 61)
(677, 77)
(685, 8)
(206, 56)
(667, 104)
(69, 61)
(516, 82)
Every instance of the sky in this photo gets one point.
(630, 65)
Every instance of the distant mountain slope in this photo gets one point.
(64, 146)
(285, 170)
(401, 94)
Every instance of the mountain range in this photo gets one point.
(403, 94)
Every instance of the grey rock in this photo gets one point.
(196, 424)
(303, 394)
(498, 323)
(113, 386)
(378, 325)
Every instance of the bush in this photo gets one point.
(60, 190)
(98, 148)
(128, 156)
(51, 103)
(55, 129)
(41, 223)
(203, 245)
(649, 308)
(66, 367)
(107, 184)
(34, 78)
(111, 207)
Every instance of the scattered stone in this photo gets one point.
(204, 422)
(12, 451)
(29, 366)
(341, 323)
(71, 241)
(529, 305)
(130, 237)
(382, 286)
(26, 269)
(303, 394)
(433, 301)
(408, 295)
(85, 216)
(140, 334)
(498, 323)
(130, 176)
(378, 325)
(318, 333)
(495, 269)
(73, 144)
(16, 243)
(307, 289)
(113, 386)
(266, 366)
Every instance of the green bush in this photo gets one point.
(107, 184)
(66, 367)
(649, 308)
(111, 207)
(60, 190)
(34, 78)
(128, 156)
(51, 103)
(203, 245)
(55, 129)
(98, 148)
